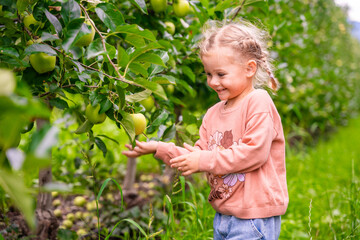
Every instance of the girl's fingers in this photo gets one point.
(189, 147)
(130, 154)
(128, 146)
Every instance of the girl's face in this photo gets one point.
(230, 77)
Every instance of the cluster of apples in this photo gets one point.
(43, 62)
(181, 9)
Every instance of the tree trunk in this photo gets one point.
(47, 223)
(130, 175)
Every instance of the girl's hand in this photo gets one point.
(187, 163)
(141, 148)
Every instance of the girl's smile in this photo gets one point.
(230, 77)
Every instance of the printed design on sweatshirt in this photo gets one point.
(223, 141)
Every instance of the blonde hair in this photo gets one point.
(248, 40)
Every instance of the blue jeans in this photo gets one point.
(233, 228)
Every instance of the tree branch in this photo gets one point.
(238, 10)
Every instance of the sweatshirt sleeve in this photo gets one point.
(168, 151)
(251, 153)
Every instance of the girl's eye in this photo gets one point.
(208, 74)
(221, 74)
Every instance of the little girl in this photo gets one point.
(241, 146)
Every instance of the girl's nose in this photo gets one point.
(214, 81)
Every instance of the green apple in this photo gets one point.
(85, 40)
(91, 205)
(170, 27)
(56, 202)
(7, 82)
(42, 62)
(181, 8)
(81, 232)
(78, 215)
(169, 89)
(70, 216)
(92, 114)
(57, 212)
(30, 20)
(79, 201)
(158, 5)
(139, 122)
(148, 103)
(67, 223)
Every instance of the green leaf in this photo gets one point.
(136, 30)
(248, 2)
(164, 79)
(137, 97)
(54, 21)
(21, 5)
(160, 119)
(9, 51)
(85, 127)
(70, 10)
(101, 145)
(152, 86)
(121, 94)
(58, 103)
(94, 49)
(135, 40)
(150, 58)
(140, 4)
(109, 15)
(142, 50)
(128, 124)
(188, 72)
(123, 57)
(169, 133)
(138, 68)
(14, 186)
(45, 36)
(37, 48)
(74, 31)
(221, 6)
(155, 69)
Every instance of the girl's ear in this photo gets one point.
(251, 67)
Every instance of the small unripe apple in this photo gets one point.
(170, 27)
(139, 122)
(78, 215)
(158, 5)
(67, 223)
(54, 194)
(57, 212)
(81, 232)
(148, 103)
(42, 62)
(181, 8)
(169, 89)
(91, 205)
(70, 216)
(56, 202)
(85, 40)
(79, 201)
(7, 82)
(92, 114)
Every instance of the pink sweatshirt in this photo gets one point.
(243, 155)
